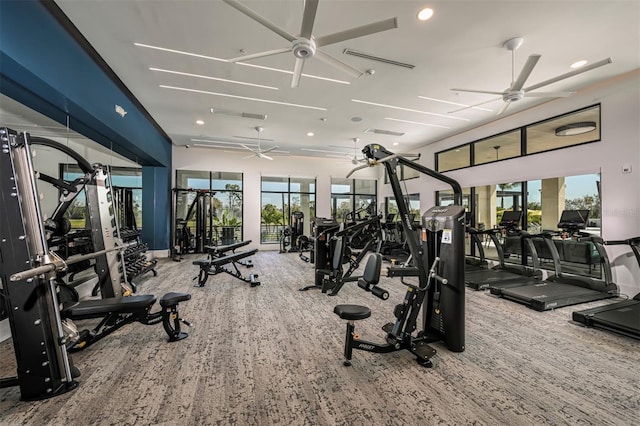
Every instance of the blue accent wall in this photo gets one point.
(156, 204)
(48, 66)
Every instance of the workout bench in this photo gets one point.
(116, 313)
(216, 261)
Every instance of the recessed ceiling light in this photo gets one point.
(244, 83)
(200, 122)
(409, 109)
(309, 133)
(425, 14)
(226, 95)
(396, 143)
(212, 58)
(579, 64)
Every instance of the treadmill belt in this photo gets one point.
(550, 295)
(479, 280)
(622, 317)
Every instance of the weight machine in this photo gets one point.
(201, 210)
(41, 326)
(439, 267)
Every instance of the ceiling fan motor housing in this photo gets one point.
(512, 95)
(304, 48)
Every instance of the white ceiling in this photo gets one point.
(461, 46)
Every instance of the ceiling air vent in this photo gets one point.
(377, 58)
(238, 114)
(384, 132)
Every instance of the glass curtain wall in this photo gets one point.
(280, 198)
(225, 207)
(351, 197)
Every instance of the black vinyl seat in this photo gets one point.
(96, 308)
(352, 312)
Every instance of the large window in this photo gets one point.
(281, 197)
(350, 198)
(574, 128)
(412, 200)
(227, 200)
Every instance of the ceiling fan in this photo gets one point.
(305, 45)
(517, 91)
(259, 152)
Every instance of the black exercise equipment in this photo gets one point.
(290, 235)
(508, 274)
(29, 272)
(440, 270)
(621, 317)
(116, 313)
(219, 256)
(200, 210)
(562, 289)
(367, 235)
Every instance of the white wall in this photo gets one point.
(206, 159)
(620, 144)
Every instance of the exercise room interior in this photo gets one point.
(319, 212)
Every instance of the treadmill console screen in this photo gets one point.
(573, 219)
(511, 218)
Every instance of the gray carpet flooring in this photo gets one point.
(272, 355)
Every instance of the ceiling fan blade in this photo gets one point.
(504, 108)
(526, 72)
(260, 54)
(259, 19)
(363, 166)
(308, 17)
(297, 73)
(266, 157)
(477, 91)
(569, 74)
(269, 149)
(336, 63)
(364, 30)
(549, 94)
(246, 147)
(475, 105)
(248, 156)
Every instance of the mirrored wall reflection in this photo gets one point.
(543, 201)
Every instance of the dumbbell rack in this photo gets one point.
(135, 259)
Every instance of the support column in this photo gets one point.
(553, 197)
(156, 207)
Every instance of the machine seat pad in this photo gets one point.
(101, 307)
(202, 262)
(173, 298)
(352, 312)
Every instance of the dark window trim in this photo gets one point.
(523, 139)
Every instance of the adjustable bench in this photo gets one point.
(221, 251)
(216, 265)
(116, 313)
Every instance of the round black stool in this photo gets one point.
(351, 313)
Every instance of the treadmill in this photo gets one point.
(563, 289)
(507, 274)
(621, 317)
(479, 262)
